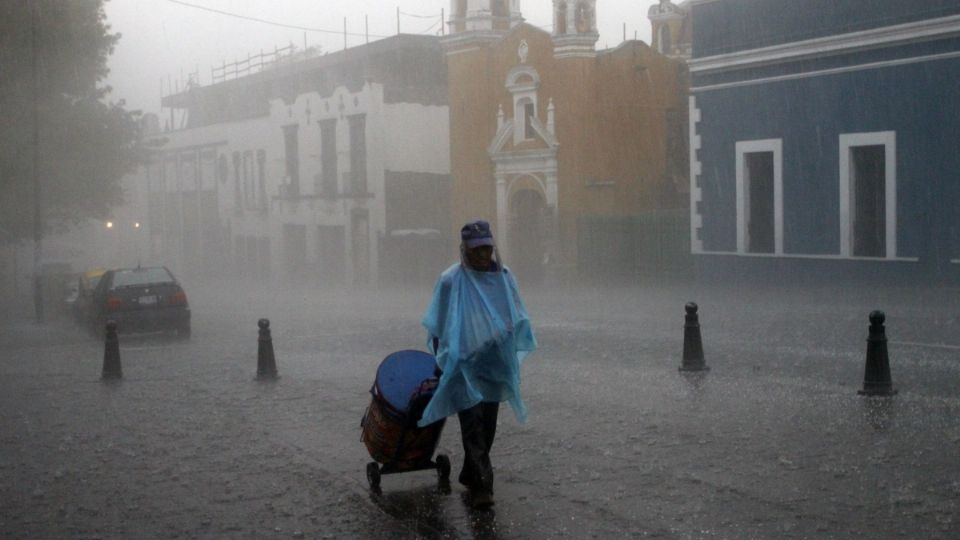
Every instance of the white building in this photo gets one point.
(308, 169)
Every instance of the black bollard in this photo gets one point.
(111, 354)
(266, 363)
(876, 376)
(692, 344)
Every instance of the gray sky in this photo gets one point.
(165, 40)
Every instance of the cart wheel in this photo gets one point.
(373, 475)
(443, 467)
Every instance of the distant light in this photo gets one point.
(109, 224)
(136, 225)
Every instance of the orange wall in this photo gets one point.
(610, 124)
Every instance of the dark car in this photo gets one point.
(142, 299)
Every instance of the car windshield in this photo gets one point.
(141, 276)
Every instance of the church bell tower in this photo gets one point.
(574, 28)
(483, 16)
(670, 29)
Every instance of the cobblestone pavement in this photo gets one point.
(773, 442)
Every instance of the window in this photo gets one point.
(529, 113)
(358, 154)
(208, 170)
(760, 196)
(525, 112)
(663, 43)
(262, 179)
(332, 252)
(868, 195)
(360, 245)
(869, 206)
(291, 145)
(263, 257)
(141, 276)
(188, 171)
(295, 251)
(237, 194)
(248, 180)
(522, 82)
(222, 169)
(561, 23)
(328, 158)
(583, 18)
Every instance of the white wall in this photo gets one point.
(399, 137)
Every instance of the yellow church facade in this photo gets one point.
(550, 137)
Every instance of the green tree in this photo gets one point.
(53, 59)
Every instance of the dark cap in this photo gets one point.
(476, 233)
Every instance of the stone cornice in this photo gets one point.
(830, 45)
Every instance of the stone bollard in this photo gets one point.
(876, 376)
(692, 344)
(111, 354)
(266, 363)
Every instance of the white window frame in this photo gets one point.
(848, 141)
(743, 203)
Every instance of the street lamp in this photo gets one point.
(137, 239)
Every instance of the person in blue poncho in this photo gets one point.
(480, 332)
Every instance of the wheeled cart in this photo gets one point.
(404, 384)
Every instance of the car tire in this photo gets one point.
(183, 332)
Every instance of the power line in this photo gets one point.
(417, 16)
(273, 23)
(431, 27)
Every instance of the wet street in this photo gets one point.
(772, 442)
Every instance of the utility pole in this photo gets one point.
(37, 206)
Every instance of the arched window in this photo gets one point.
(583, 19)
(561, 23)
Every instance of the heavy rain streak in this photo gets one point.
(479, 269)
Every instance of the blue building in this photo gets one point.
(825, 139)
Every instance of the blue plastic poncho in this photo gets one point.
(484, 334)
